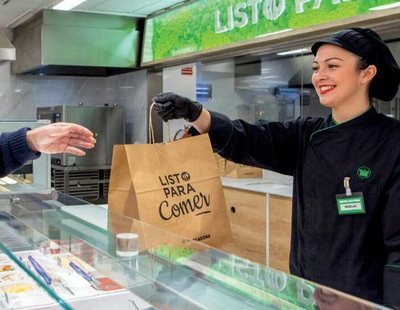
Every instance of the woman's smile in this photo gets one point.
(324, 89)
(338, 82)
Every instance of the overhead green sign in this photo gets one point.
(206, 24)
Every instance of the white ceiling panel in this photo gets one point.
(155, 7)
(140, 8)
(14, 12)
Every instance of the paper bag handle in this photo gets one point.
(151, 129)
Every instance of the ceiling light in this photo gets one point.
(294, 52)
(267, 77)
(273, 33)
(67, 5)
(385, 7)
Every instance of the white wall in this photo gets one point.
(225, 99)
(182, 84)
(21, 95)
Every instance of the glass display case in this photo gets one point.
(34, 175)
(59, 252)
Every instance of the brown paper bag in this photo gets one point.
(233, 170)
(221, 164)
(174, 186)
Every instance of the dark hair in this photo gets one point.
(367, 44)
(362, 64)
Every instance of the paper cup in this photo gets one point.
(54, 248)
(127, 244)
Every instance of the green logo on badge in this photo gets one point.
(364, 172)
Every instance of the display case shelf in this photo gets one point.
(167, 272)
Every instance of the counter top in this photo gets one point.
(190, 275)
(97, 215)
(259, 185)
(94, 214)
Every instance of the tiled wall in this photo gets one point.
(21, 95)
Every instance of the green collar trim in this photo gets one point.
(393, 266)
(336, 124)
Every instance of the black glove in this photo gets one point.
(172, 106)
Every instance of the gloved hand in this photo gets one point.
(60, 138)
(172, 106)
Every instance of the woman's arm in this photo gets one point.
(14, 151)
(203, 123)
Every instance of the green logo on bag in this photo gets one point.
(364, 172)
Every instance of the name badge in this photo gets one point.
(350, 204)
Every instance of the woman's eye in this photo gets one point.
(314, 69)
(332, 66)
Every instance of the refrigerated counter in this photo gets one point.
(58, 253)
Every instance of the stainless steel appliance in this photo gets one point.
(87, 177)
(7, 50)
(55, 42)
(107, 124)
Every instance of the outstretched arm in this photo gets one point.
(60, 138)
(23, 145)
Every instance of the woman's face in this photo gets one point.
(336, 77)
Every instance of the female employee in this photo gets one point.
(23, 145)
(346, 167)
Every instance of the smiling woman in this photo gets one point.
(339, 82)
(370, 50)
(347, 72)
(345, 167)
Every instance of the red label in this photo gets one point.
(187, 71)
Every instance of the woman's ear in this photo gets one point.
(369, 73)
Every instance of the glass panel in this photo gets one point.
(112, 261)
(34, 175)
(24, 282)
(272, 87)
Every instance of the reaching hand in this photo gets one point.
(172, 106)
(60, 138)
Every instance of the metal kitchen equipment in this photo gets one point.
(86, 177)
(7, 50)
(76, 43)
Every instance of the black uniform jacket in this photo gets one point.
(358, 254)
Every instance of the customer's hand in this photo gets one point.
(172, 106)
(60, 138)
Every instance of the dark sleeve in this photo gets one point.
(14, 151)
(391, 235)
(268, 145)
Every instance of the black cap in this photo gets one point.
(367, 44)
